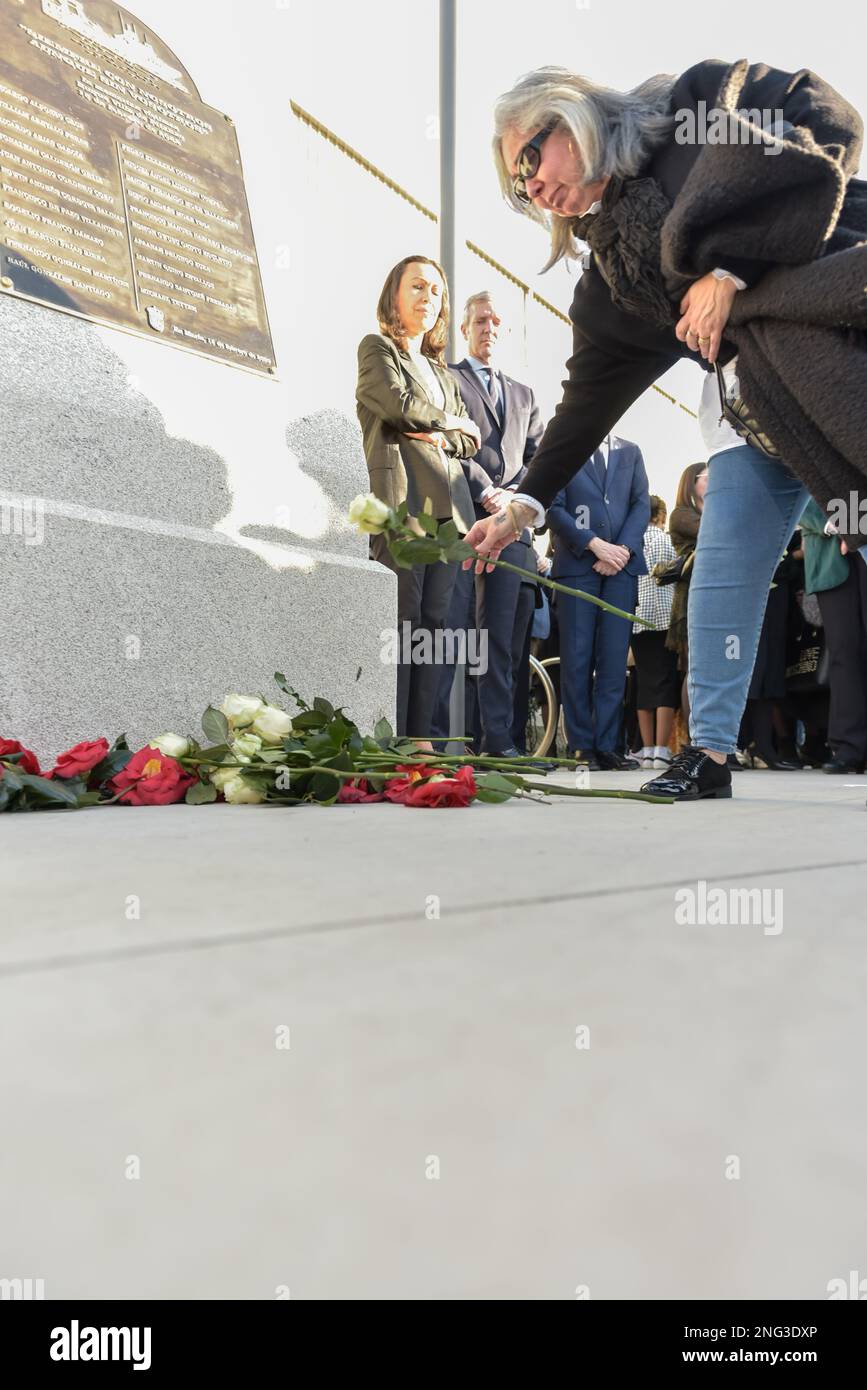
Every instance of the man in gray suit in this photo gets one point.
(510, 427)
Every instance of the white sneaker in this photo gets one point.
(661, 758)
(646, 757)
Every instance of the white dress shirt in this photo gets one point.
(434, 386)
(481, 370)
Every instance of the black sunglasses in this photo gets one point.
(528, 163)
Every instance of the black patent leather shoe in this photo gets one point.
(838, 765)
(615, 762)
(693, 776)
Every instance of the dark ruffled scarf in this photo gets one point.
(624, 236)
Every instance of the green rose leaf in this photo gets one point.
(324, 788)
(399, 553)
(448, 532)
(495, 787)
(323, 707)
(216, 753)
(280, 680)
(459, 550)
(341, 761)
(339, 733)
(200, 793)
(421, 552)
(215, 725)
(428, 523)
(114, 762)
(52, 791)
(383, 732)
(310, 719)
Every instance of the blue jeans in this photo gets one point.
(751, 507)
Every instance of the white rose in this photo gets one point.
(241, 710)
(239, 793)
(272, 724)
(221, 775)
(246, 746)
(172, 745)
(369, 514)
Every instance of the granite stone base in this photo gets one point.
(133, 588)
(110, 630)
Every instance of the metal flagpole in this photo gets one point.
(447, 113)
(448, 48)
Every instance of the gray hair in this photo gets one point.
(615, 132)
(483, 296)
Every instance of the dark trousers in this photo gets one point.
(522, 676)
(844, 613)
(593, 649)
(504, 611)
(461, 618)
(423, 596)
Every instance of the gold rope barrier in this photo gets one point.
(395, 187)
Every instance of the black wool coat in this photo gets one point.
(793, 225)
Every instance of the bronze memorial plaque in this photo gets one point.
(121, 194)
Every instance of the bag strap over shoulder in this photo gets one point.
(737, 415)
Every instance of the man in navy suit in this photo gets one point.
(511, 427)
(598, 523)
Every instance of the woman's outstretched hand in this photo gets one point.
(705, 308)
(492, 534)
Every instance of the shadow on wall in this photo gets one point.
(75, 428)
(329, 442)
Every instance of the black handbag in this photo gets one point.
(807, 662)
(672, 571)
(736, 413)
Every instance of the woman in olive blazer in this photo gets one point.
(418, 441)
(394, 409)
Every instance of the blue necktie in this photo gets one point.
(492, 392)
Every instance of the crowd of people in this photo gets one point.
(684, 256)
(624, 692)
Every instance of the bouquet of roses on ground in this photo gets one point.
(260, 753)
(257, 753)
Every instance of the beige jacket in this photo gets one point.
(392, 399)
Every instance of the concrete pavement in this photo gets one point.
(367, 1052)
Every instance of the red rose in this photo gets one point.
(399, 788)
(81, 759)
(358, 790)
(437, 790)
(29, 763)
(152, 779)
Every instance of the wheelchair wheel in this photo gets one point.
(541, 711)
(561, 743)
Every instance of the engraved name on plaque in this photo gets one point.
(121, 194)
